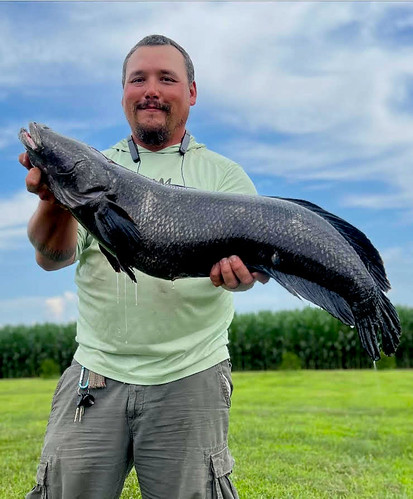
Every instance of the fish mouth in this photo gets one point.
(32, 139)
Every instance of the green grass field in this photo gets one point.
(297, 434)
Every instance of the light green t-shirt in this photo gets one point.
(156, 331)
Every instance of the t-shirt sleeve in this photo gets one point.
(84, 239)
(236, 181)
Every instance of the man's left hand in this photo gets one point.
(233, 275)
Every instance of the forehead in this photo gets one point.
(156, 58)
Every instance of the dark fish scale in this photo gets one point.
(171, 232)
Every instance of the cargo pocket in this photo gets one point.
(40, 490)
(224, 373)
(221, 465)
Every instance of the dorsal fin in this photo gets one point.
(359, 241)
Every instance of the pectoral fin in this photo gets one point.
(111, 259)
(116, 264)
(119, 233)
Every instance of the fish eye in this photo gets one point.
(65, 169)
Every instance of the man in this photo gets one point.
(153, 357)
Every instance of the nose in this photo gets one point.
(151, 89)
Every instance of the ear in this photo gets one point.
(192, 93)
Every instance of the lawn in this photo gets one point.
(297, 434)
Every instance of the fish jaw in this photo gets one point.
(27, 140)
(31, 139)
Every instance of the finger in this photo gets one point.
(34, 180)
(228, 275)
(215, 275)
(240, 271)
(25, 161)
(260, 277)
(45, 195)
(35, 185)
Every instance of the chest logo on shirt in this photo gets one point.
(165, 182)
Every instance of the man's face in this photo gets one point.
(157, 96)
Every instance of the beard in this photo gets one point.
(155, 135)
(152, 136)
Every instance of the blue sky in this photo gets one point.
(315, 100)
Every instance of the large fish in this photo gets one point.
(173, 232)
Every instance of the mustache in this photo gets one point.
(152, 104)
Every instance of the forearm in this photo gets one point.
(53, 232)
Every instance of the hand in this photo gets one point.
(34, 182)
(233, 275)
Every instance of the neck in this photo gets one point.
(155, 148)
(151, 147)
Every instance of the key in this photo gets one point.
(87, 401)
(84, 400)
(78, 405)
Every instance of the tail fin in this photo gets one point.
(367, 329)
(390, 326)
(384, 318)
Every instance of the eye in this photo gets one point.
(168, 79)
(137, 79)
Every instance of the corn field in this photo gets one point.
(307, 339)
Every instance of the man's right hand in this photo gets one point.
(52, 229)
(34, 182)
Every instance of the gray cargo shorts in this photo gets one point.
(174, 434)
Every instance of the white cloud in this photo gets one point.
(57, 305)
(8, 135)
(39, 309)
(335, 101)
(287, 73)
(324, 75)
(337, 161)
(53, 50)
(398, 262)
(12, 238)
(270, 296)
(398, 255)
(379, 201)
(15, 213)
(17, 209)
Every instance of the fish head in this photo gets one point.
(74, 171)
(32, 141)
(54, 154)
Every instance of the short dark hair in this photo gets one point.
(153, 40)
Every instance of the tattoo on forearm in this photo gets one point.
(51, 254)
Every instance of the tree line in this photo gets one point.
(298, 339)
